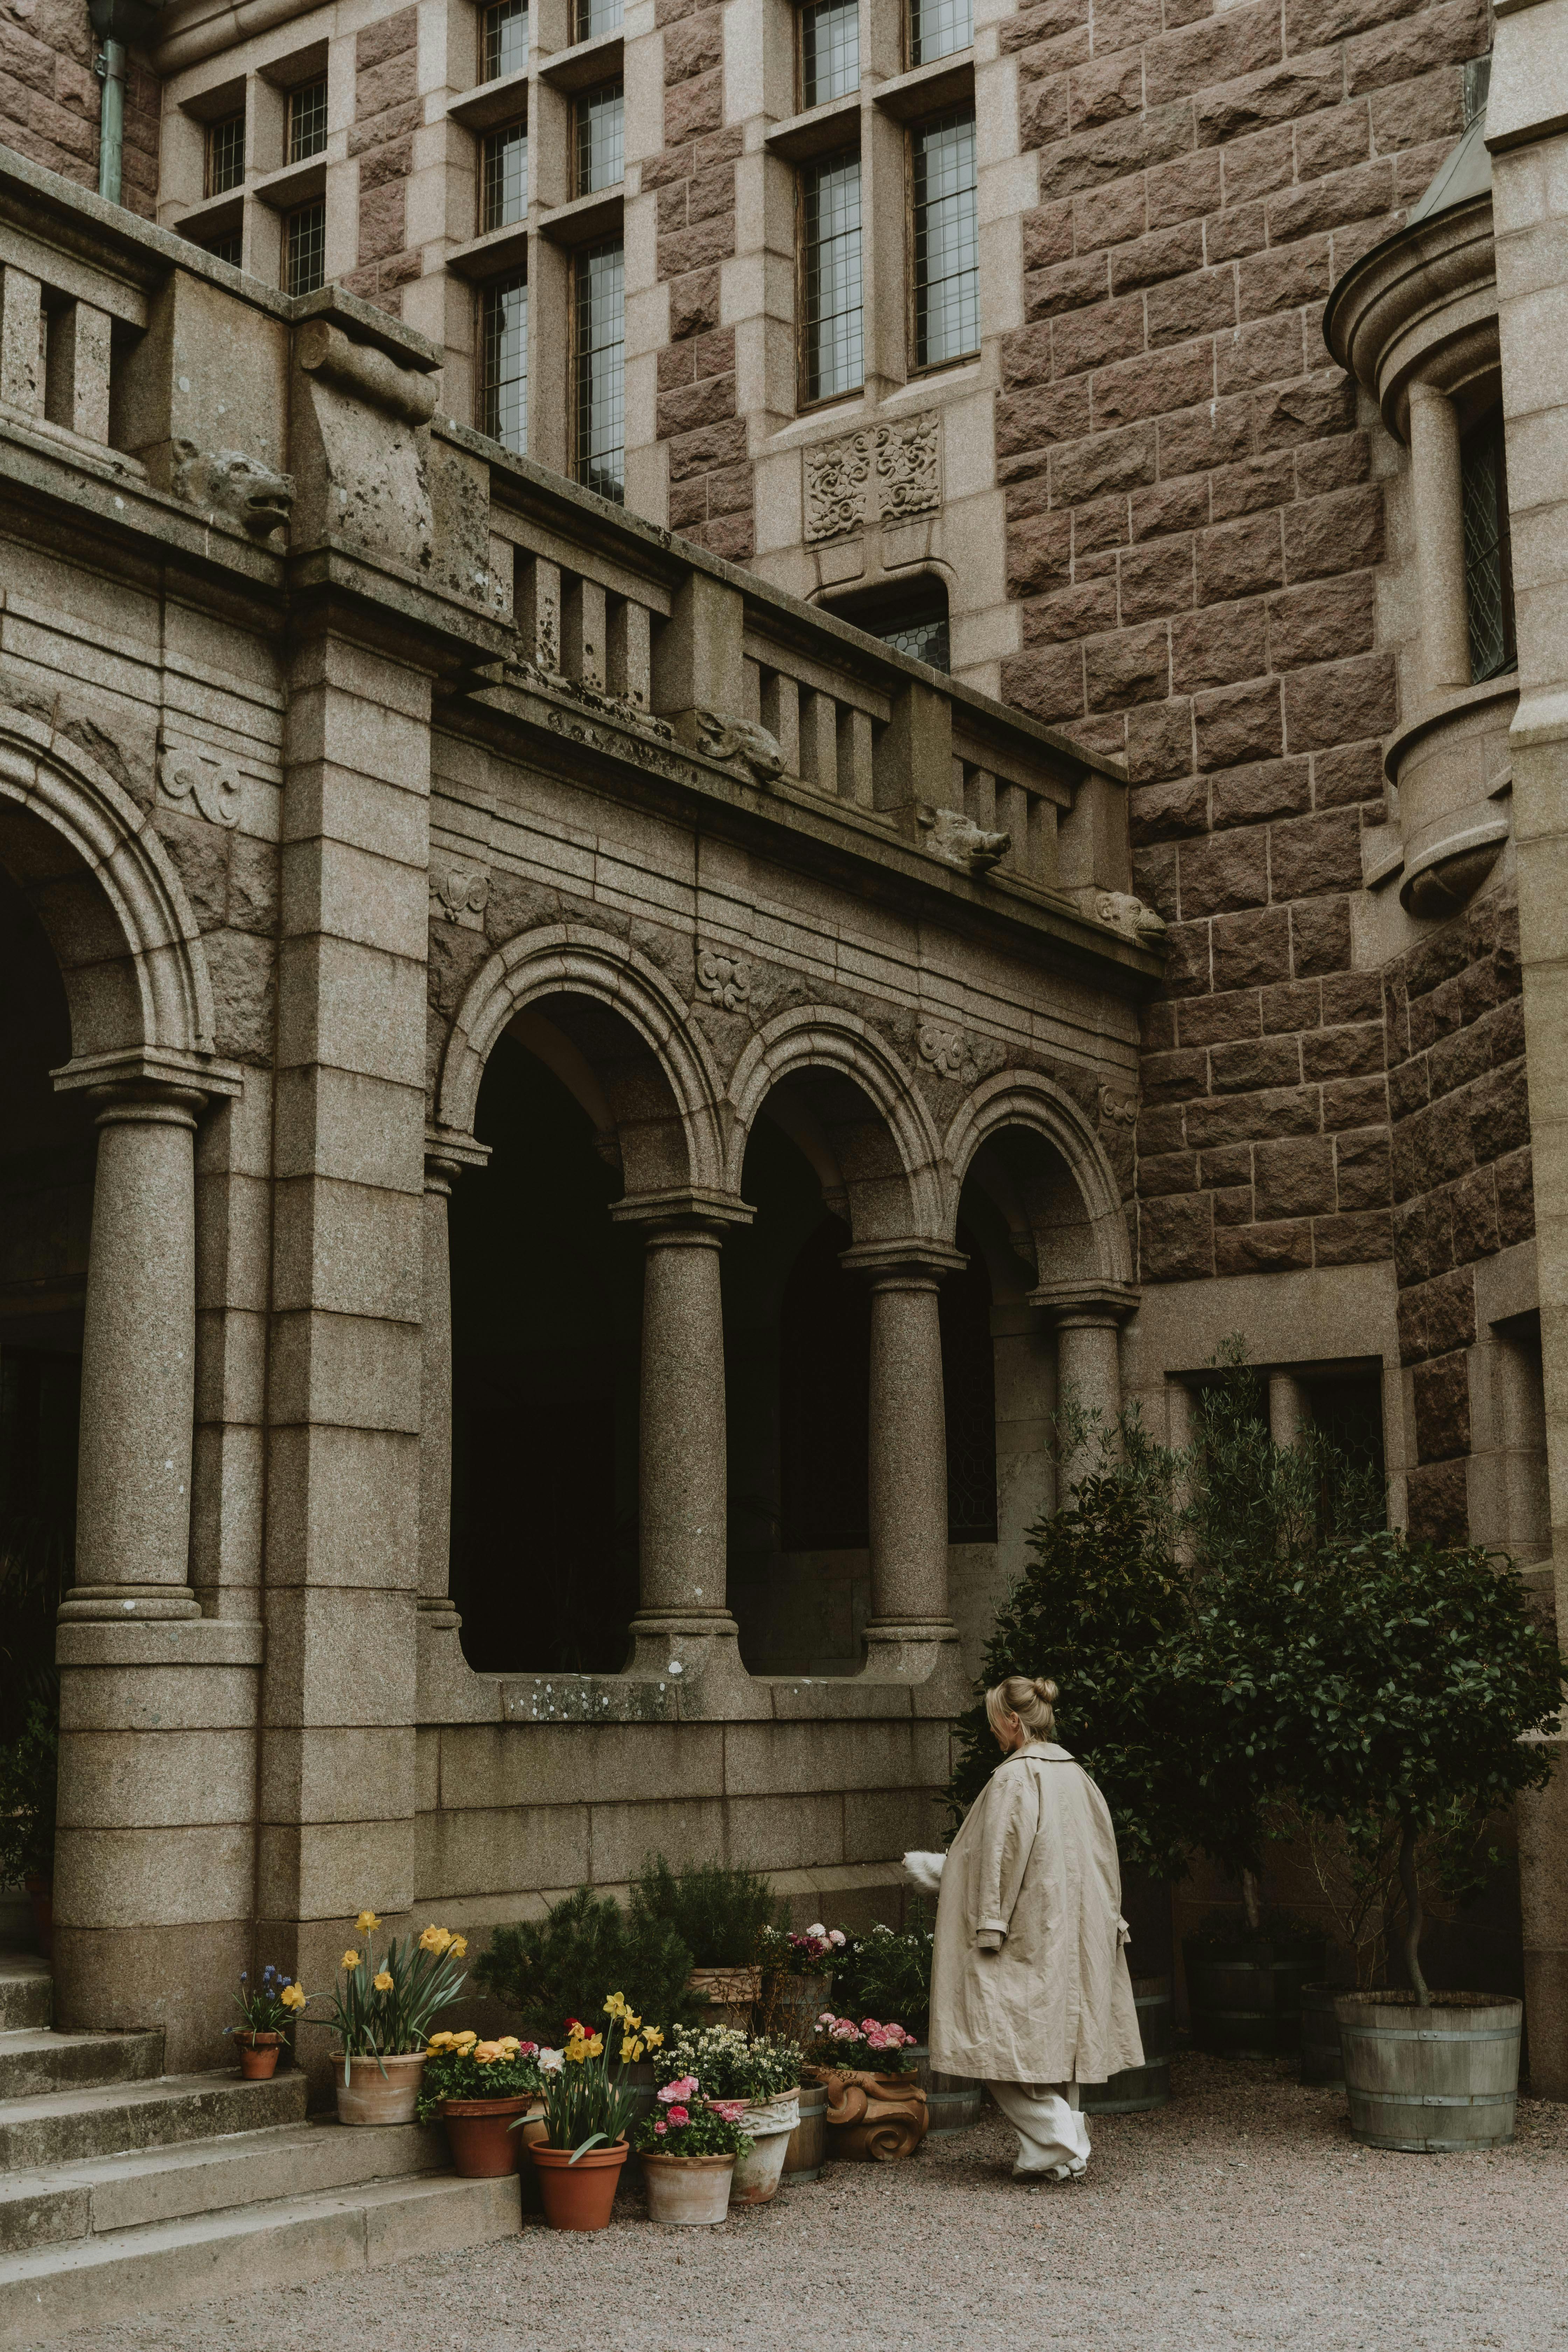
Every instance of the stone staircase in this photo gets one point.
(124, 2190)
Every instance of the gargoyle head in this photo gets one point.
(961, 842)
(227, 482)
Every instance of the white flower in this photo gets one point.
(552, 2060)
(835, 1935)
(818, 1929)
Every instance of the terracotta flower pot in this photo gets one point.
(259, 2055)
(769, 2128)
(480, 2134)
(578, 2196)
(687, 2191)
(371, 2096)
(874, 2119)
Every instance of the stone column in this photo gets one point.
(1438, 500)
(445, 1157)
(1290, 1410)
(907, 1469)
(138, 1365)
(682, 1498)
(1088, 1318)
(154, 1850)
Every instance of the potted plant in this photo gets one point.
(588, 2109)
(797, 1978)
(481, 2090)
(876, 2107)
(545, 1969)
(759, 2079)
(723, 1917)
(381, 2014)
(266, 2007)
(1408, 1682)
(689, 2150)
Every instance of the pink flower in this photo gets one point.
(826, 2017)
(681, 2090)
(528, 2049)
(836, 1934)
(681, 2115)
(661, 2127)
(728, 2110)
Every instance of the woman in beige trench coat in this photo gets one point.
(1029, 1982)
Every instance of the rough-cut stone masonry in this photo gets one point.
(50, 98)
(1193, 530)
(386, 112)
(1462, 1189)
(710, 472)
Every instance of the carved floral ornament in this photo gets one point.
(943, 1046)
(724, 978)
(878, 475)
(200, 781)
(460, 891)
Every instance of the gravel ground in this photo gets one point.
(1243, 2213)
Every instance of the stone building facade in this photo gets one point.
(1183, 376)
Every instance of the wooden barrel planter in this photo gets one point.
(1431, 2080)
(1137, 2089)
(1323, 2060)
(807, 2149)
(1246, 1999)
(953, 2101)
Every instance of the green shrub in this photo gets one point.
(722, 1916)
(585, 1948)
(886, 1975)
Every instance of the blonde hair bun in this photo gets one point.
(1029, 1698)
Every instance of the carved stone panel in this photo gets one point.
(200, 781)
(878, 475)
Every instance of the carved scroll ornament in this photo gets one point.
(200, 780)
(879, 475)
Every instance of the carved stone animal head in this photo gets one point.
(724, 737)
(1125, 913)
(227, 482)
(959, 840)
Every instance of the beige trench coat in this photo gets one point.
(1034, 1860)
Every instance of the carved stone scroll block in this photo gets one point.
(1116, 1109)
(189, 776)
(879, 475)
(943, 1046)
(462, 893)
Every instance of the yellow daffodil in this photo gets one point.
(597, 2046)
(293, 1996)
(366, 1922)
(382, 1983)
(434, 1939)
(654, 2038)
(632, 2051)
(350, 1961)
(616, 2005)
(458, 1948)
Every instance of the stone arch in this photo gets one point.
(666, 1109)
(1074, 1207)
(107, 894)
(888, 1162)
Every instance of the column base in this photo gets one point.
(115, 1604)
(697, 1655)
(440, 1617)
(922, 1650)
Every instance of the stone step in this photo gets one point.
(33, 2062)
(252, 2250)
(27, 1993)
(65, 2127)
(52, 2205)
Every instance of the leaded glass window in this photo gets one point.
(601, 133)
(830, 206)
(504, 198)
(600, 358)
(305, 249)
(1488, 554)
(922, 633)
(947, 241)
(503, 363)
(307, 121)
(830, 50)
(938, 27)
(504, 44)
(596, 17)
(226, 156)
(226, 247)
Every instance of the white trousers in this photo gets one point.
(1051, 2130)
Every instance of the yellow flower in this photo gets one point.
(631, 2051)
(366, 1921)
(597, 2046)
(350, 1961)
(441, 2041)
(458, 1948)
(616, 2005)
(508, 2042)
(434, 1939)
(382, 1983)
(465, 2039)
(293, 1996)
(484, 2053)
(654, 2038)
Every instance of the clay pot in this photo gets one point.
(578, 2196)
(769, 2128)
(373, 2097)
(687, 2191)
(259, 2055)
(480, 2133)
(874, 2119)
(732, 1994)
(791, 2005)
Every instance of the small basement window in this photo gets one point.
(911, 615)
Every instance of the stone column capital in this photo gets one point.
(911, 1263)
(150, 1073)
(690, 1215)
(1092, 1304)
(447, 1153)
